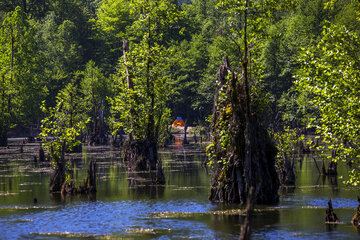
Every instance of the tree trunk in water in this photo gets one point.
(91, 178)
(142, 155)
(286, 172)
(98, 136)
(3, 136)
(41, 154)
(330, 215)
(185, 141)
(57, 175)
(57, 178)
(247, 157)
(245, 230)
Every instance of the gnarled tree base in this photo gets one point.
(242, 153)
(285, 172)
(142, 155)
(330, 215)
(57, 179)
(89, 185)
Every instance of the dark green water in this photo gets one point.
(178, 210)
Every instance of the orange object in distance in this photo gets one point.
(178, 122)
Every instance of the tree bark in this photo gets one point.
(125, 51)
(249, 159)
(142, 155)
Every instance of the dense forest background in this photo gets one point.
(303, 61)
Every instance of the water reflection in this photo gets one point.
(330, 227)
(60, 199)
(124, 204)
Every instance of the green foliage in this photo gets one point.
(146, 100)
(287, 143)
(35, 8)
(113, 17)
(141, 108)
(21, 80)
(94, 89)
(63, 124)
(220, 145)
(330, 73)
(58, 44)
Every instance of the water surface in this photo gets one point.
(180, 209)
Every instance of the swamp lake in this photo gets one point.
(125, 206)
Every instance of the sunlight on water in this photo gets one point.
(180, 209)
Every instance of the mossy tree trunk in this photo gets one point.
(242, 153)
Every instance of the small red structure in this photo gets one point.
(178, 122)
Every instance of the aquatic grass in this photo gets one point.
(17, 208)
(76, 235)
(23, 220)
(154, 231)
(7, 193)
(229, 212)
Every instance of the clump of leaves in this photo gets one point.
(287, 143)
(62, 125)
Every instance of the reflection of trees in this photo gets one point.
(59, 198)
(331, 227)
(332, 182)
(226, 223)
(186, 173)
(141, 185)
(287, 190)
(301, 160)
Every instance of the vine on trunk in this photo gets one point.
(241, 152)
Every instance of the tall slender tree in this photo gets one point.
(143, 84)
(21, 84)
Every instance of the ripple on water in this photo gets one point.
(320, 202)
(105, 217)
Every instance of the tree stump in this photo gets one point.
(330, 215)
(41, 154)
(286, 172)
(57, 178)
(356, 219)
(141, 155)
(242, 153)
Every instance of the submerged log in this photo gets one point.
(243, 154)
(330, 215)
